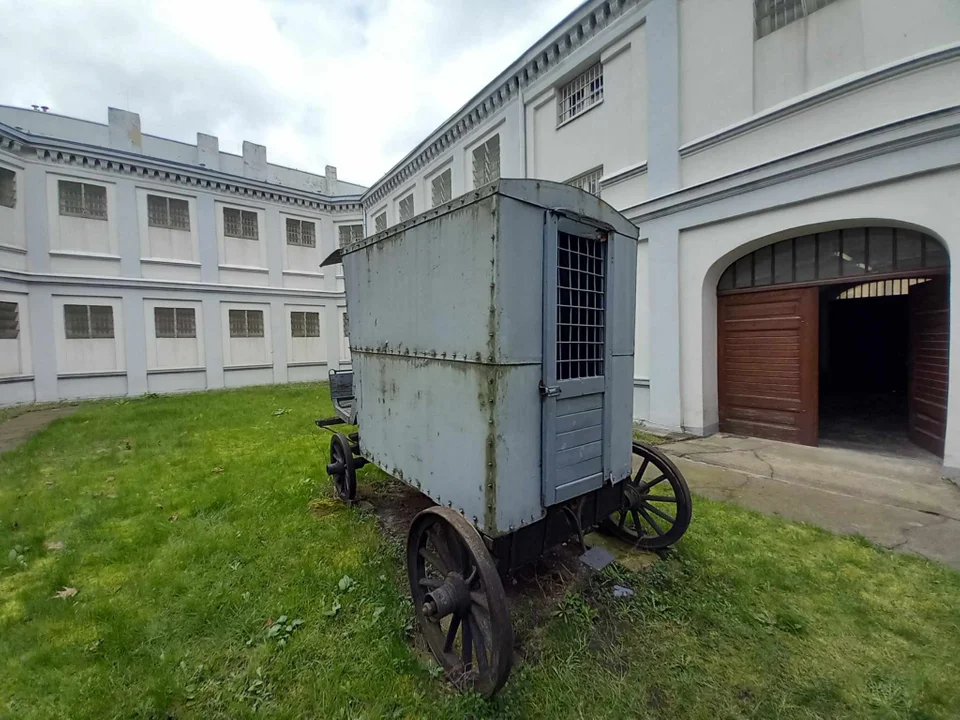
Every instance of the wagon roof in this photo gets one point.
(541, 193)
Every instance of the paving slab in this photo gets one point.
(900, 503)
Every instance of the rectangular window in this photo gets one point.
(9, 321)
(175, 322)
(350, 234)
(581, 306)
(380, 221)
(8, 188)
(164, 212)
(589, 181)
(302, 233)
(406, 208)
(486, 162)
(580, 94)
(240, 224)
(771, 15)
(305, 324)
(82, 200)
(85, 322)
(441, 188)
(246, 323)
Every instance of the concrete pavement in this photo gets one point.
(901, 503)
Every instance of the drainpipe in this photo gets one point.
(523, 133)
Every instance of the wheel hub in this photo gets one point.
(451, 597)
(632, 497)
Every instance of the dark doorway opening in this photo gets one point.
(864, 358)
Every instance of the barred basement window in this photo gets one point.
(246, 323)
(771, 15)
(380, 221)
(589, 181)
(302, 233)
(85, 322)
(82, 200)
(580, 94)
(240, 224)
(406, 208)
(167, 212)
(440, 189)
(9, 321)
(350, 234)
(486, 162)
(175, 322)
(8, 188)
(305, 324)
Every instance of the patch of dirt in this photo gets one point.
(396, 505)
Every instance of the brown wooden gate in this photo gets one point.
(929, 357)
(768, 364)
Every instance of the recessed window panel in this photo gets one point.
(744, 272)
(909, 250)
(783, 262)
(854, 251)
(881, 250)
(828, 255)
(806, 258)
(763, 266)
(934, 254)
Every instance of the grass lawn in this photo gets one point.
(189, 525)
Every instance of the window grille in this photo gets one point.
(486, 162)
(440, 188)
(850, 252)
(8, 188)
(881, 288)
(302, 233)
(175, 322)
(406, 208)
(350, 234)
(85, 322)
(589, 181)
(580, 94)
(246, 323)
(771, 15)
(82, 200)
(380, 221)
(581, 287)
(9, 321)
(305, 324)
(167, 212)
(240, 224)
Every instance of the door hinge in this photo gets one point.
(548, 390)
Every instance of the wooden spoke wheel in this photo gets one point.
(459, 601)
(341, 468)
(656, 507)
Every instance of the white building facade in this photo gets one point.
(132, 264)
(801, 147)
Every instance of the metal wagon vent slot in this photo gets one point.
(580, 307)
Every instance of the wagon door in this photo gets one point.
(576, 359)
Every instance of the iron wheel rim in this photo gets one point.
(656, 506)
(442, 543)
(341, 468)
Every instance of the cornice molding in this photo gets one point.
(109, 160)
(567, 37)
(147, 285)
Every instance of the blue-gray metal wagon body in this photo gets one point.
(492, 341)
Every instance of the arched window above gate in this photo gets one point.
(836, 254)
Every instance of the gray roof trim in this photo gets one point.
(101, 158)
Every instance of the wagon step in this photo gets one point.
(327, 422)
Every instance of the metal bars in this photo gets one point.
(380, 222)
(440, 188)
(405, 207)
(8, 188)
(165, 212)
(581, 305)
(830, 255)
(350, 234)
(85, 322)
(304, 324)
(580, 94)
(771, 15)
(175, 322)
(589, 181)
(82, 200)
(9, 321)
(486, 162)
(302, 233)
(246, 323)
(240, 224)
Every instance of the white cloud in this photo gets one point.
(344, 82)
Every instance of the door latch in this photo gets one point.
(548, 390)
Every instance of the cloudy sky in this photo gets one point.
(351, 83)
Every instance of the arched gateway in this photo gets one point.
(840, 336)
